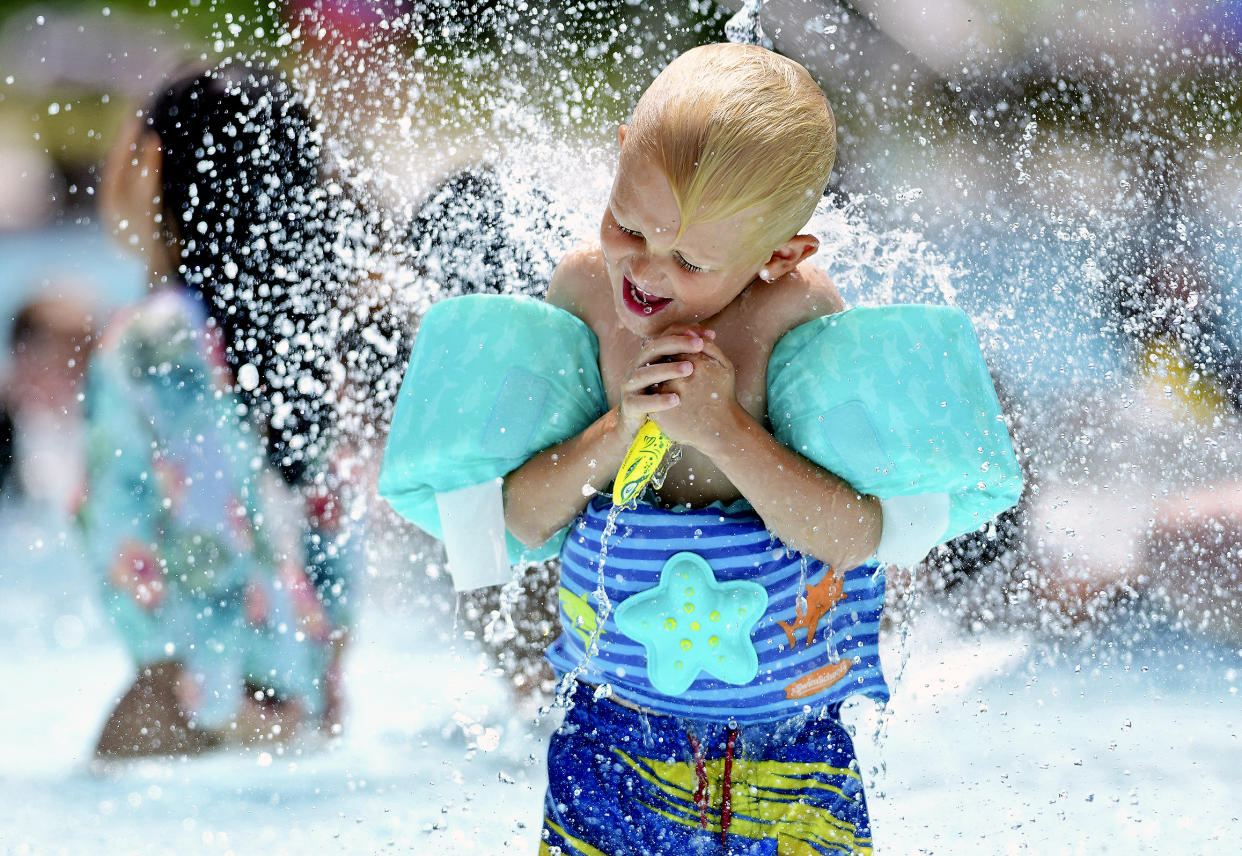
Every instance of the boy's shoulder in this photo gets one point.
(578, 282)
(803, 295)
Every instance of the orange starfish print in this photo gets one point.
(820, 598)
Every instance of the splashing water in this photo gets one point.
(565, 687)
(800, 599)
(671, 457)
(501, 628)
(535, 185)
(745, 28)
(1081, 206)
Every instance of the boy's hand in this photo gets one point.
(705, 396)
(664, 358)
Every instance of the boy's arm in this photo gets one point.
(804, 505)
(547, 492)
(808, 507)
(551, 489)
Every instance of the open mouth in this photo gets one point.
(640, 302)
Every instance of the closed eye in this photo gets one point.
(685, 264)
(633, 233)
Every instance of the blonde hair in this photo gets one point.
(736, 127)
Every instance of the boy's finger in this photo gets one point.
(653, 403)
(646, 376)
(668, 346)
(714, 352)
(683, 328)
(680, 336)
(690, 332)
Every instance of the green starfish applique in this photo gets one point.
(581, 616)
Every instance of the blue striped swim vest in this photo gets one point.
(818, 656)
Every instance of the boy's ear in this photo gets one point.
(789, 255)
(621, 129)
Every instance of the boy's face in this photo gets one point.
(657, 278)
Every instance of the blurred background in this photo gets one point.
(1067, 172)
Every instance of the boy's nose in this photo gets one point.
(645, 272)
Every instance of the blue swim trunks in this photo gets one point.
(625, 783)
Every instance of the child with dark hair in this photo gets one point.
(212, 510)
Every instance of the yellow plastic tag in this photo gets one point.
(641, 461)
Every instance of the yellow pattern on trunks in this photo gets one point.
(770, 799)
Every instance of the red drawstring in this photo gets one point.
(700, 770)
(726, 796)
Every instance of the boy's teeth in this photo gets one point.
(642, 296)
(642, 301)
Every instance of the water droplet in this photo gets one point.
(248, 377)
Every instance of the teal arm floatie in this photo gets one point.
(898, 401)
(492, 381)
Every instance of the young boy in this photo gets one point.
(700, 269)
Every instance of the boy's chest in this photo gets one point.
(695, 479)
